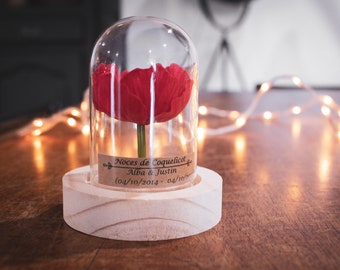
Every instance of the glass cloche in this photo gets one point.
(143, 90)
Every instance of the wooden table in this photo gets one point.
(281, 198)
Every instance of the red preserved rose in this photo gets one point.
(131, 100)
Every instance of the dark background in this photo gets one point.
(45, 50)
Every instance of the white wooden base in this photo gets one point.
(141, 216)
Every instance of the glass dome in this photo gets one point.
(143, 89)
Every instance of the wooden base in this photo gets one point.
(141, 216)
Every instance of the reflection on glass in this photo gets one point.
(240, 145)
(71, 147)
(263, 175)
(201, 133)
(38, 155)
(71, 151)
(324, 168)
(294, 192)
(325, 154)
(296, 128)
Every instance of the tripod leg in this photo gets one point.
(224, 63)
(237, 67)
(210, 68)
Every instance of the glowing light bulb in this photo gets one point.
(202, 110)
(36, 132)
(267, 115)
(297, 81)
(71, 122)
(265, 87)
(86, 129)
(241, 121)
(75, 113)
(296, 110)
(38, 123)
(234, 114)
(327, 100)
(326, 111)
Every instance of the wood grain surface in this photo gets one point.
(281, 198)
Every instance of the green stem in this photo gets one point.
(141, 141)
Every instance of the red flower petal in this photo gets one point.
(132, 98)
(101, 81)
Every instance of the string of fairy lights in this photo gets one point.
(78, 117)
(328, 108)
(74, 117)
